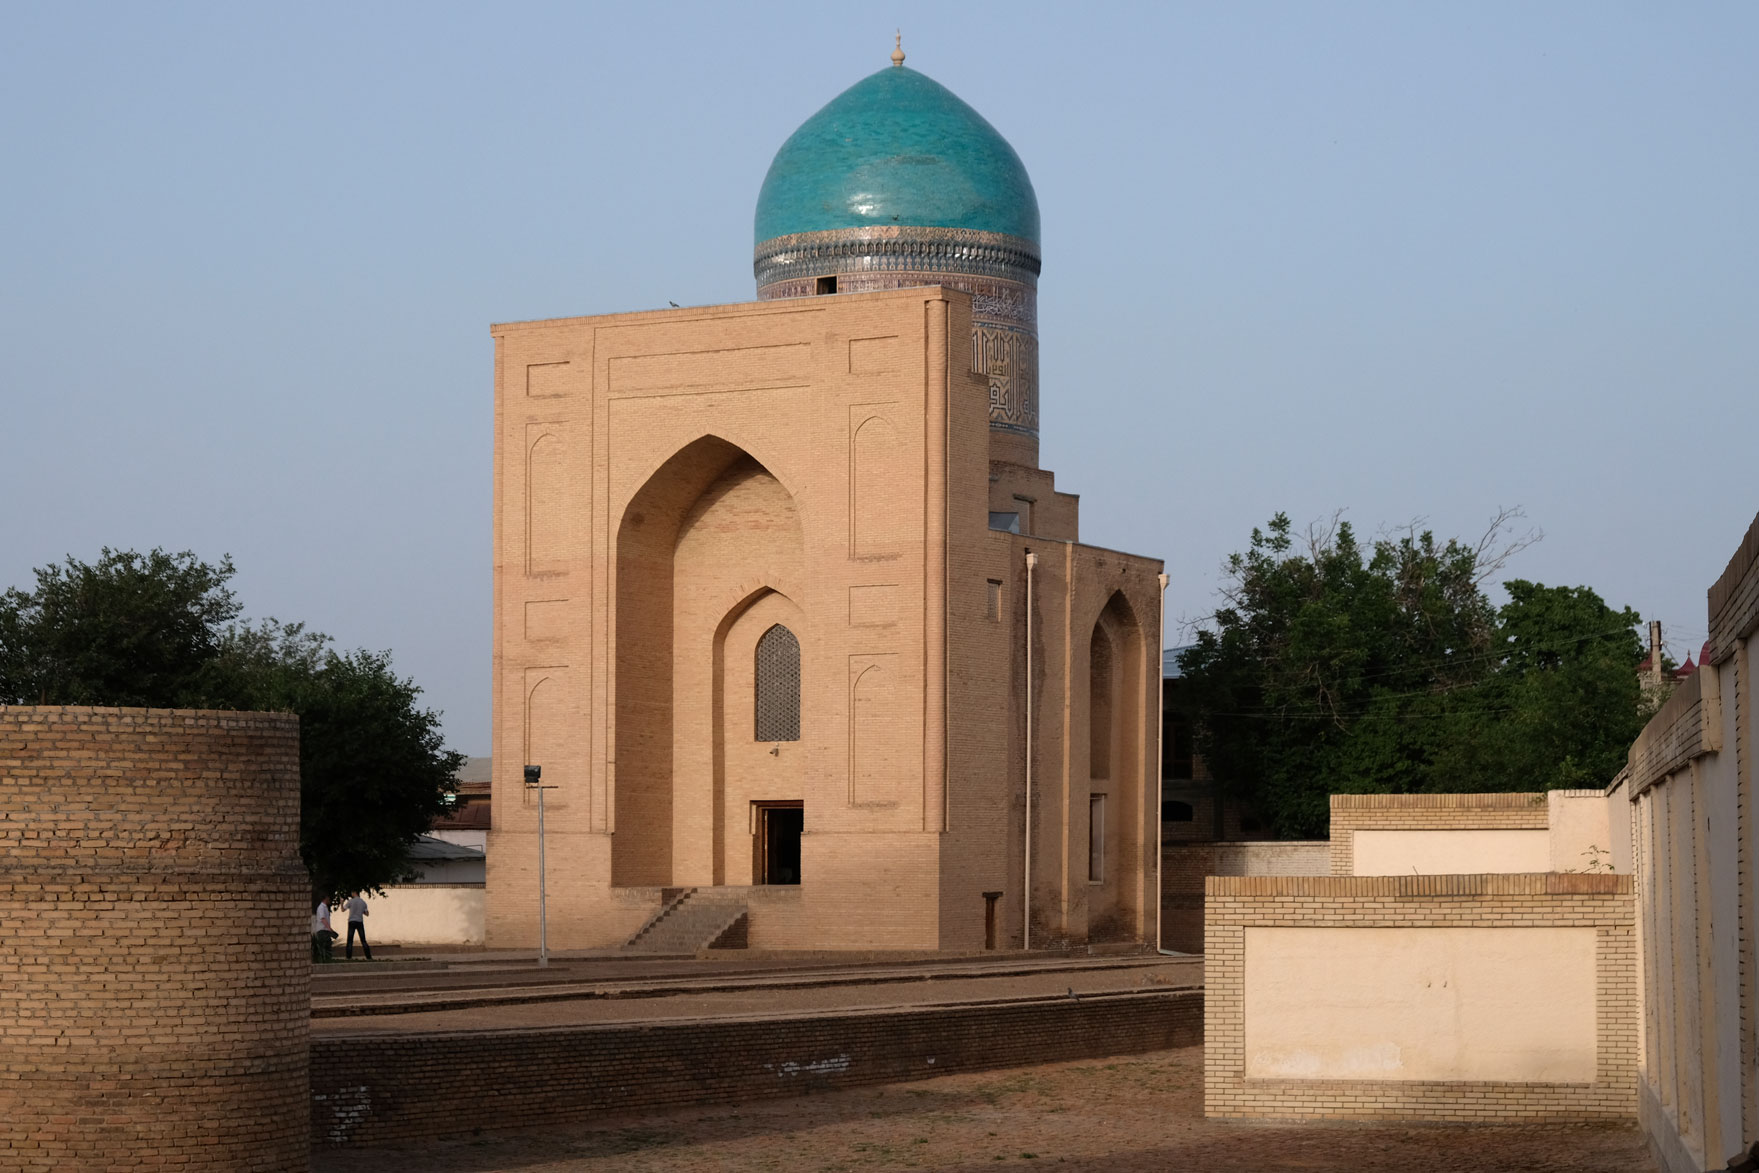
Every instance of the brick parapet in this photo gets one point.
(1522, 811)
(1598, 901)
(1476, 801)
(379, 1089)
(154, 960)
(1672, 738)
(1734, 598)
(1356, 889)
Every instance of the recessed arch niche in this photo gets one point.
(1116, 700)
(708, 538)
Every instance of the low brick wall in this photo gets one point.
(373, 1089)
(1428, 812)
(1184, 866)
(1444, 998)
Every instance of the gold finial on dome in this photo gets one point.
(898, 50)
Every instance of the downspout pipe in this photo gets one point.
(1160, 772)
(1026, 883)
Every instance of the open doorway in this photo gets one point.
(777, 841)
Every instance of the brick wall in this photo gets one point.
(1184, 867)
(154, 956)
(1600, 902)
(378, 1089)
(1427, 812)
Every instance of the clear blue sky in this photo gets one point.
(1412, 260)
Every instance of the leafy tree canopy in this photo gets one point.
(128, 629)
(1339, 668)
(161, 630)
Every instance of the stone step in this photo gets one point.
(697, 919)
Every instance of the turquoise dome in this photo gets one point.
(896, 148)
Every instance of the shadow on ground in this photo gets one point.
(1137, 1113)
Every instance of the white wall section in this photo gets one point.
(1502, 1004)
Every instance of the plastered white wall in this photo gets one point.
(1450, 853)
(420, 914)
(1491, 1004)
(1581, 831)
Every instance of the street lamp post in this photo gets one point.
(533, 781)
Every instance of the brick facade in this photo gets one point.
(669, 486)
(1427, 812)
(381, 1089)
(1601, 902)
(154, 960)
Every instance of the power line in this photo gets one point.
(1505, 651)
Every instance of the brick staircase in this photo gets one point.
(699, 918)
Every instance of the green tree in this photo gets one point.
(160, 630)
(129, 629)
(1335, 668)
(373, 767)
(1564, 703)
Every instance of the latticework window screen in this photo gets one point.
(778, 686)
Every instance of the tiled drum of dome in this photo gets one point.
(895, 183)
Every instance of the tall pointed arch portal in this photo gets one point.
(710, 562)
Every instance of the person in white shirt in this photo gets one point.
(320, 920)
(356, 924)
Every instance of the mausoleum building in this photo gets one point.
(785, 607)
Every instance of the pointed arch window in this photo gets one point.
(1099, 699)
(778, 686)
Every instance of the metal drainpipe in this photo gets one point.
(1160, 773)
(1026, 889)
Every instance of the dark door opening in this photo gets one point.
(989, 919)
(779, 825)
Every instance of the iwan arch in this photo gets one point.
(761, 579)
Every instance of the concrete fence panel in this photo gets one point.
(1687, 800)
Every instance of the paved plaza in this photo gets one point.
(510, 992)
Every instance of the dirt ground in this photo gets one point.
(1141, 1113)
